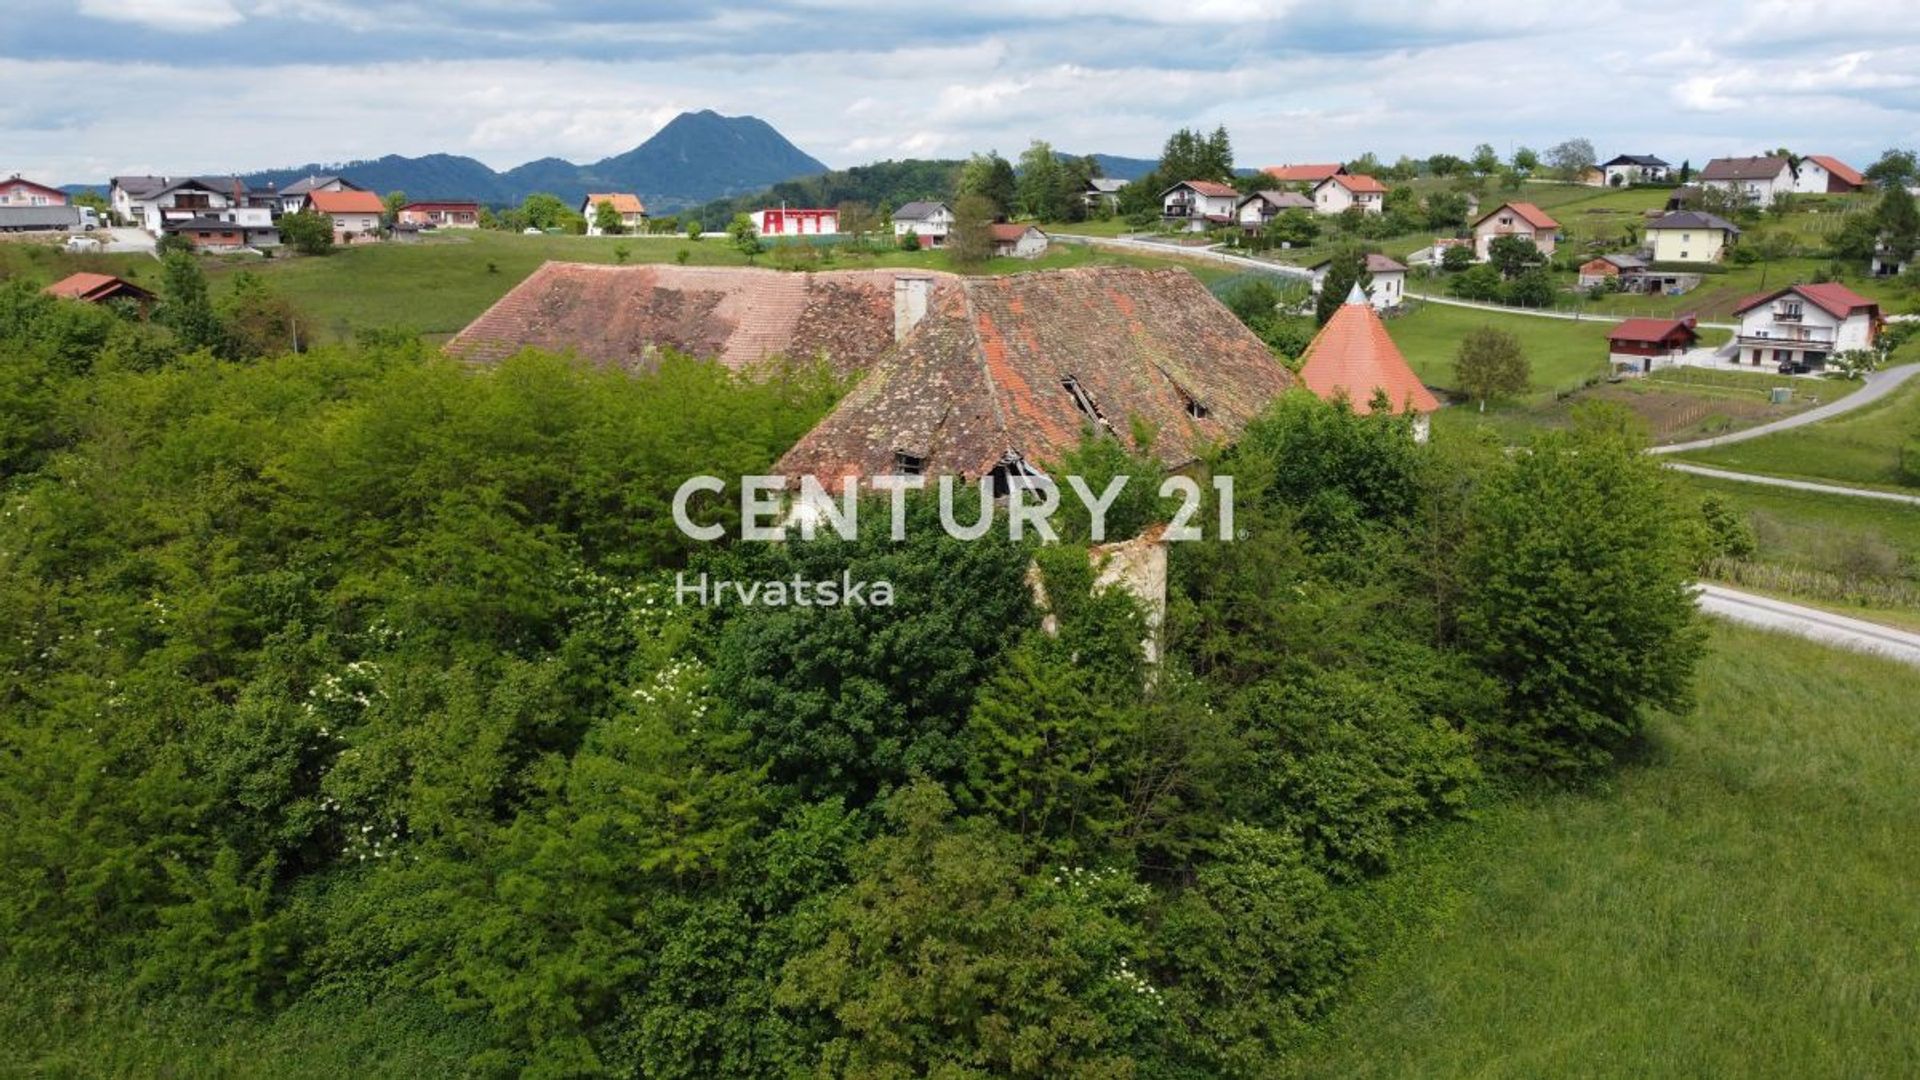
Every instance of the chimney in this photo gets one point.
(910, 293)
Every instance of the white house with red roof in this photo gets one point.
(19, 191)
(356, 214)
(1199, 204)
(633, 213)
(1821, 174)
(1521, 219)
(1344, 191)
(1803, 326)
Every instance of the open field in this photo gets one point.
(1564, 354)
(1861, 448)
(1737, 904)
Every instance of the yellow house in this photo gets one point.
(1690, 236)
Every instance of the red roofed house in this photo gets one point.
(782, 221)
(1802, 326)
(1521, 219)
(1003, 376)
(1303, 174)
(1635, 345)
(17, 191)
(1353, 358)
(1018, 241)
(441, 215)
(98, 289)
(1199, 204)
(633, 215)
(1342, 191)
(355, 214)
(1819, 174)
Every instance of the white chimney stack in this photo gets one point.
(910, 293)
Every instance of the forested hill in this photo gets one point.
(696, 157)
(881, 184)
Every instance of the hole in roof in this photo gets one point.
(1084, 401)
(906, 464)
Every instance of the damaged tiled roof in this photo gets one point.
(1353, 356)
(618, 315)
(1028, 362)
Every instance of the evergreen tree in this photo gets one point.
(1349, 268)
(187, 309)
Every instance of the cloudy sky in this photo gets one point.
(97, 87)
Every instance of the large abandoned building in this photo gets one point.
(968, 376)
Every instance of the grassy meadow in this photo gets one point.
(1861, 448)
(1739, 903)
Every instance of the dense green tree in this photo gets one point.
(187, 308)
(970, 239)
(1446, 210)
(1485, 159)
(307, 232)
(1571, 158)
(1348, 269)
(1582, 606)
(744, 237)
(390, 207)
(1040, 185)
(1894, 168)
(1513, 255)
(1490, 363)
(606, 218)
(992, 178)
(1192, 155)
(1525, 160)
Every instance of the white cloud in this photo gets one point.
(187, 16)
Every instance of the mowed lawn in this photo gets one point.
(438, 286)
(1740, 904)
(1564, 353)
(1861, 447)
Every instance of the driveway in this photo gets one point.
(1797, 485)
(131, 241)
(1812, 623)
(1878, 385)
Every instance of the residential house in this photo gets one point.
(1303, 177)
(1887, 262)
(1629, 169)
(1637, 346)
(1819, 174)
(1755, 181)
(1619, 267)
(294, 196)
(633, 215)
(100, 289)
(1388, 288)
(19, 191)
(1344, 191)
(1103, 191)
(1018, 241)
(442, 215)
(929, 222)
(1001, 377)
(1521, 219)
(1690, 236)
(1198, 204)
(228, 230)
(1257, 211)
(1802, 326)
(154, 202)
(356, 214)
(1353, 359)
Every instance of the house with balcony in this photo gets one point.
(929, 222)
(1888, 261)
(1197, 205)
(1754, 181)
(1258, 210)
(154, 203)
(1690, 236)
(19, 191)
(1345, 191)
(1801, 327)
(1630, 169)
(1103, 192)
(1521, 219)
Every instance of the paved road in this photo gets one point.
(1798, 485)
(1822, 626)
(1538, 313)
(1878, 385)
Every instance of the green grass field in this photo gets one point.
(1563, 353)
(1861, 448)
(1740, 904)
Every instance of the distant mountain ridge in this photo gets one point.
(696, 157)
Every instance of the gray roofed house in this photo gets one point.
(928, 221)
(319, 183)
(1629, 169)
(1103, 189)
(1754, 180)
(1746, 168)
(1637, 159)
(918, 210)
(1693, 219)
